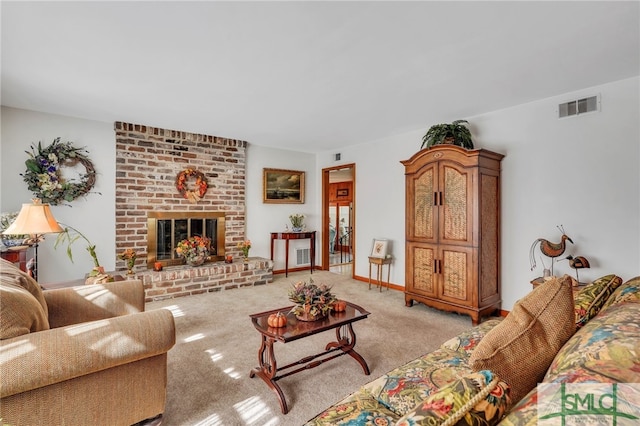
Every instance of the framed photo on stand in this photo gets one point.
(379, 248)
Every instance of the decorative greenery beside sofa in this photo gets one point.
(71, 238)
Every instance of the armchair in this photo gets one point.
(94, 357)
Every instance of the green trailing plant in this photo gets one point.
(71, 238)
(455, 133)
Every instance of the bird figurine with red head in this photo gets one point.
(549, 249)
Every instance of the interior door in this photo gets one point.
(340, 230)
(338, 216)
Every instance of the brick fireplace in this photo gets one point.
(148, 160)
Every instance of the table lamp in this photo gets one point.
(34, 219)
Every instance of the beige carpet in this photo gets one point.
(217, 346)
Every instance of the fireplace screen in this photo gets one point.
(166, 229)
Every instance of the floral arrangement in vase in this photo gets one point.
(313, 302)
(194, 250)
(297, 221)
(129, 256)
(245, 246)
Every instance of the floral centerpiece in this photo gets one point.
(244, 246)
(129, 256)
(297, 221)
(194, 250)
(313, 302)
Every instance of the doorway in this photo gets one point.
(338, 219)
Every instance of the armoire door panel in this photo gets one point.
(457, 274)
(424, 279)
(456, 219)
(424, 210)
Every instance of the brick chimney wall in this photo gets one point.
(148, 159)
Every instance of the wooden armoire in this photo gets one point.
(453, 230)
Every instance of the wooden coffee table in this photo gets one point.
(342, 322)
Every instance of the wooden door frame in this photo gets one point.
(325, 215)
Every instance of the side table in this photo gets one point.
(379, 262)
(310, 235)
(575, 288)
(20, 257)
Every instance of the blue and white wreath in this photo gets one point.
(44, 178)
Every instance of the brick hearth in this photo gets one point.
(179, 281)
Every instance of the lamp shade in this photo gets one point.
(33, 219)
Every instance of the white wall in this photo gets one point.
(582, 172)
(93, 215)
(262, 219)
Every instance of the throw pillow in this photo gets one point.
(593, 296)
(21, 313)
(522, 346)
(627, 292)
(475, 399)
(13, 275)
(22, 306)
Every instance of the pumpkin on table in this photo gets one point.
(339, 305)
(277, 320)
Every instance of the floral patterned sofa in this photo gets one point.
(449, 386)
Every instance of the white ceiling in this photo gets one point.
(307, 76)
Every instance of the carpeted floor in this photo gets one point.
(217, 346)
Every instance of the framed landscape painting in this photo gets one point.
(283, 186)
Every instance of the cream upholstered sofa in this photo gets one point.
(80, 355)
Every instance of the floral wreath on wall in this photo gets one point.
(201, 184)
(44, 177)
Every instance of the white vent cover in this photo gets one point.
(303, 256)
(579, 106)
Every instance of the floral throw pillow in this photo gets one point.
(479, 398)
(627, 292)
(592, 298)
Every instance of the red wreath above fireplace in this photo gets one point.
(182, 185)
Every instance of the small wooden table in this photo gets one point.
(345, 341)
(379, 261)
(575, 288)
(311, 236)
(17, 256)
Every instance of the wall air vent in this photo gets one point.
(303, 256)
(579, 106)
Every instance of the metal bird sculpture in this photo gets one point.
(549, 249)
(578, 262)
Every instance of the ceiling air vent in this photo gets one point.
(579, 106)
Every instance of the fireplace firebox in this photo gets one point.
(166, 229)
